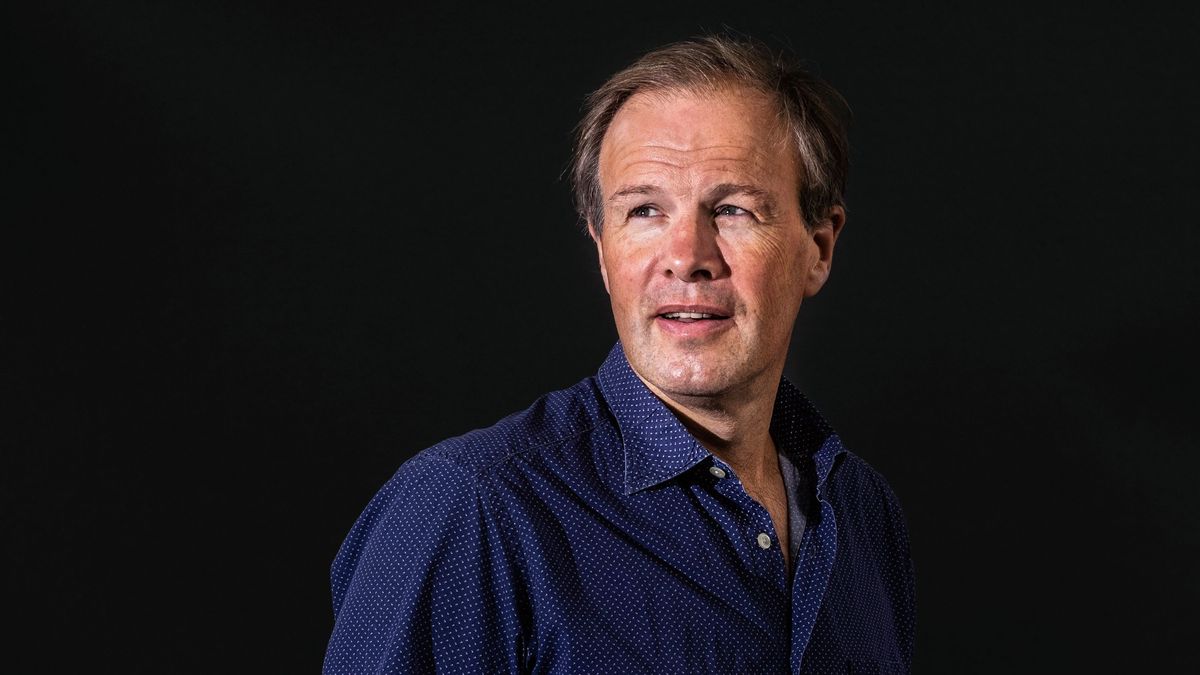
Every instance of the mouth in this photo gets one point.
(690, 317)
(690, 314)
(694, 324)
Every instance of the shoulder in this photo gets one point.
(439, 496)
(551, 420)
(446, 477)
(856, 480)
(867, 507)
(428, 573)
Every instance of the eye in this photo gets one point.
(730, 210)
(644, 211)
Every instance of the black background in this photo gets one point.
(256, 256)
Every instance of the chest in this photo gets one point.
(674, 579)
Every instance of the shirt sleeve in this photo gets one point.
(422, 583)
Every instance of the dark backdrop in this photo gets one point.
(256, 256)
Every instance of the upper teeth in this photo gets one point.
(688, 315)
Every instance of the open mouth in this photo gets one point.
(690, 317)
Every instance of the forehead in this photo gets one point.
(732, 128)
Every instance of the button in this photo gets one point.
(764, 540)
(717, 471)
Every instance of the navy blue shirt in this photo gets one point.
(592, 533)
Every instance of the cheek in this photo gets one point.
(626, 270)
(623, 288)
(766, 249)
(774, 274)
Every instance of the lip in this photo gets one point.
(691, 330)
(723, 312)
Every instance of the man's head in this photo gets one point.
(715, 199)
(813, 113)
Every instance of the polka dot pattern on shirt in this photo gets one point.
(591, 533)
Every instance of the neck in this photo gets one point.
(735, 426)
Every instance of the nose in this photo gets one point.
(693, 251)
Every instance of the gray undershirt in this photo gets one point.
(799, 502)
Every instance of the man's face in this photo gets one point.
(703, 249)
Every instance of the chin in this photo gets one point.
(704, 370)
(689, 379)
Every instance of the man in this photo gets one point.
(685, 510)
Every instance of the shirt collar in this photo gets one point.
(658, 447)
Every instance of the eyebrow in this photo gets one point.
(717, 193)
(643, 189)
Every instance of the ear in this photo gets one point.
(824, 236)
(599, 253)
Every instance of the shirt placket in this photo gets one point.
(754, 533)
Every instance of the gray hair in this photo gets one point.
(815, 115)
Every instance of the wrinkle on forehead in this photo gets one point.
(756, 100)
(683, 140)
(649, 158)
